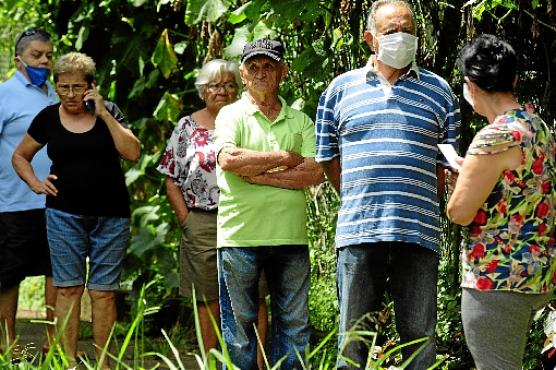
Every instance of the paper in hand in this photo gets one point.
(450, 154)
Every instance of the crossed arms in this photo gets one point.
(280, 169)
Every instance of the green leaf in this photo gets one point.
(164, 57)
(138, 170)
(147, 215)
(262, 31)
(304, 10)
(479, 10)
(82, 35)
(141, 65)
(238, 15)
(257, 10)
(211, 10)
(142, 243)
(304, 59)
(241, 37)
(169, 108)
(142, 83)
(180, 47)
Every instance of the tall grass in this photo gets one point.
(320, 357)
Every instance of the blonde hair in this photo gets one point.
(215, 70)
(75, 62)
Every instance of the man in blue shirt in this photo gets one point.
(377, 132)
(23, 244)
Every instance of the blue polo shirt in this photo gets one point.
(20, 101)
(386, 137)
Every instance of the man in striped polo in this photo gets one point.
(377, 131)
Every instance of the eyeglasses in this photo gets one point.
(228, 86)
(31, 32)
(77, 89)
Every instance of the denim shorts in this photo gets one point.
(73, 238)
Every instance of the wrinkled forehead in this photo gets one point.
(394, 18)
(37, 46)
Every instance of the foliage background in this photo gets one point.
(147, 55)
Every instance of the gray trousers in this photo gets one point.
(496, 324)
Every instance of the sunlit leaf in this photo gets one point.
(210, 10)
(241, 37)
(164, 57)
(134, 173)
(261, 31)
(180, 47)
(82, 35)
(239, 15)
(169, 108)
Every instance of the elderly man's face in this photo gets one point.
(262, 74)
(393, 18)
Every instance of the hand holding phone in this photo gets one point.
(89, 104)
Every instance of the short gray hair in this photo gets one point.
(215, 70)
(26, 37)
(371, 17)
(75, 62)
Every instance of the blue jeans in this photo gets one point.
(73, 238)
(287, 273)
(411, 271)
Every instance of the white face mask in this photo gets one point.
(397, 50)
(467, 95)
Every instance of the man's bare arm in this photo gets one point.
(306, 174)
(332, 169)
(245, 162)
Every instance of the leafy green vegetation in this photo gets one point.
(148, 53)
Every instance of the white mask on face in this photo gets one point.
(397, 50)
(467, 95)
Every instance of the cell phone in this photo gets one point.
(89, 104)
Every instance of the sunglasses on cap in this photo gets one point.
(31, 32)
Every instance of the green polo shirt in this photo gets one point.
(252, 215)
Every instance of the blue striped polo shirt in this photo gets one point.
(386, 138)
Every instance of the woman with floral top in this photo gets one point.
(189, 163)
(505, 196)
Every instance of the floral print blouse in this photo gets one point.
(510, 245)
(190, 160)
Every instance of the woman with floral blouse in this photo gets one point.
(189, 163)
(505, 196)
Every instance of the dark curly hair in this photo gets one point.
(490, 63)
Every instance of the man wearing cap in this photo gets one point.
(377, 133)
(266, 159)
(23, 245)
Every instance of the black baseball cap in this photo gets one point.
(270, 48)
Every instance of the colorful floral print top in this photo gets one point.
(190, 160)
(511, 240)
